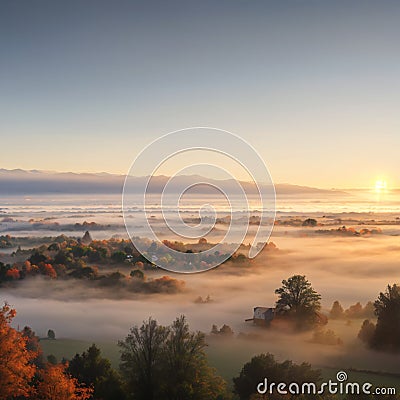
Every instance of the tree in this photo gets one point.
(187, 372)
(32, 345)
(84, 273)
(226, 330)
(387, 309)
(367, 331)
(56, 384)
(141, 355)
(3, 271)
(310, 222)
(337, 311)
(48, 270)
(169, 363)
(51, 334)
(16, 361)
(52, 359)
(119, 256)
(62, 258)
(137, 273)
(93, 370)
(299, 301)
(265, 365)
(354, 311)
(54, 247)
(36, 258)
(327, 337)
(369, 310)
(13, 274)
(23, 376)
(214, 330)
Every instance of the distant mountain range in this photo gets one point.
(18, 181)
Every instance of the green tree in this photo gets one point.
(186, 368)
(51, 334)
(79, 251)
(52, 359)
(299, 301)
(62, 258)
(387, 331)
(119, 256)
(141, 359)
(84, 273)
(265, 366)
(37, 258)
(169, 363)
(95, 371)
(54, 247)
(137, 273)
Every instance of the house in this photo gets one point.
(262, 315)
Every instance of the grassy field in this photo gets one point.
(67, 348)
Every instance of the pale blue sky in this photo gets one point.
(313, 85)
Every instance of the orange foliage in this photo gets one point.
(18, 352)
(13, 273)
(139, 264)
(49, 271)
(56, 384)
(16, 368)
(27, 266)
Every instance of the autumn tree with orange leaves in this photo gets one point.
(55, 384)
(16, 361)
(21, 378)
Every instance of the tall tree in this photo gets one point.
(298, 300)
(141, 356)
(186, 369)
(169, 363)
(367, 331)
(16, 361)
(387, 309)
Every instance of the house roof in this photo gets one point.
(263, 308)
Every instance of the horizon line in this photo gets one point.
(115, 174)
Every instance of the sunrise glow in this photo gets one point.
(380, 186)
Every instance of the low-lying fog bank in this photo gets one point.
(348, 269)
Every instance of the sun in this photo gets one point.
(380, 186)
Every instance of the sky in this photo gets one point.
(313, 85)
